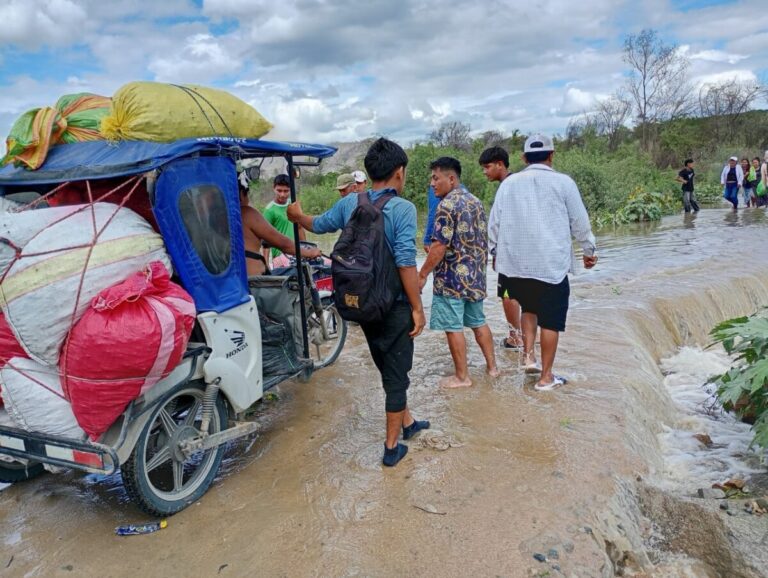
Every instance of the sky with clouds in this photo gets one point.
(342, 70)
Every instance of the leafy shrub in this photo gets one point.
(744, 387)
(643, 206)
(709, 193)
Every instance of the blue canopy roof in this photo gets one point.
(102, 159)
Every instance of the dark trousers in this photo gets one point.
(392, 351)
(689, 201)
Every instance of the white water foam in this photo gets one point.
(688, 463)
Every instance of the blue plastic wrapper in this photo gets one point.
(135, 530)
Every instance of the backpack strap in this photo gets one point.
(383, 200)
(363, 199)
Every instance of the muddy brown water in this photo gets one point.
(529, 472)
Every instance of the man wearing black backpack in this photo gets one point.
(390, 335)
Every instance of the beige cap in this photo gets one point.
(344, 180)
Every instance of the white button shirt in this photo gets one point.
(534, 215)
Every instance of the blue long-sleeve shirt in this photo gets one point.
(399, 224)
(432, 202)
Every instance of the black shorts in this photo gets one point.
(548, 302)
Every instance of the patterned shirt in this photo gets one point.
(460, 224)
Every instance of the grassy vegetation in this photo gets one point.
(621, 183)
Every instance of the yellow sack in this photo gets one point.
(153, 111)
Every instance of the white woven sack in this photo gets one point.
(39, 294)
(33, 397)
(6, 205)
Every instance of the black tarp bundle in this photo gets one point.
(278, 353)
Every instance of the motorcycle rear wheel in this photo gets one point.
(324, 349)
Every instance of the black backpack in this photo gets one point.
(365, 278)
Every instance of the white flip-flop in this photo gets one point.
(556, 382)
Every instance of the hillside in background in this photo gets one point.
(621, 178)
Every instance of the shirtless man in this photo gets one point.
(255, 229)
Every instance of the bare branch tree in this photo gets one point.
(658, 84)
(492, 138)
(611, 116)
(724, 102)
(452, 134)
(580, 128)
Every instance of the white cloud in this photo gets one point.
(576, 101)
(717, 56)
(34, 23)
(247, 83)
(726, 76)
(201, 59)
(339, 70)
(77, 83)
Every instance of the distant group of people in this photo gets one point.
(527, 236)
(748, 177)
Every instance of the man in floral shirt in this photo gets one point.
(458, 255)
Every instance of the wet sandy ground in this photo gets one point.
(529, 472)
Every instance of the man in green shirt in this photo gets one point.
(275, 214)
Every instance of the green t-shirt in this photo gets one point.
(277, 216)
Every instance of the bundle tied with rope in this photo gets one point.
(58, 267)
(74, 118)
(158, 112)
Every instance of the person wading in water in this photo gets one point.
(534, 216)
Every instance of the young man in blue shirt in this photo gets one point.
(390, 341)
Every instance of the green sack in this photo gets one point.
(760, 189)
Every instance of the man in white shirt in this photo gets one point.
(534, 216)
(731, 179)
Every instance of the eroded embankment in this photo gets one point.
(644, 523)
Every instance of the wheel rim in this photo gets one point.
(323, 350)
(169, 474)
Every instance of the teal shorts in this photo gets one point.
(452, 315)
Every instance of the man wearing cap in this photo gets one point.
(534, 216)
(361, 181)
(345, 184)
(731, 179)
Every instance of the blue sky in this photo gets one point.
(342, 70)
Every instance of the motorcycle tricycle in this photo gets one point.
(250, 334)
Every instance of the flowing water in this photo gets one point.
(591, 476)
(688, 462)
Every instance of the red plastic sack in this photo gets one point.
(133, 335)
(9, 345)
